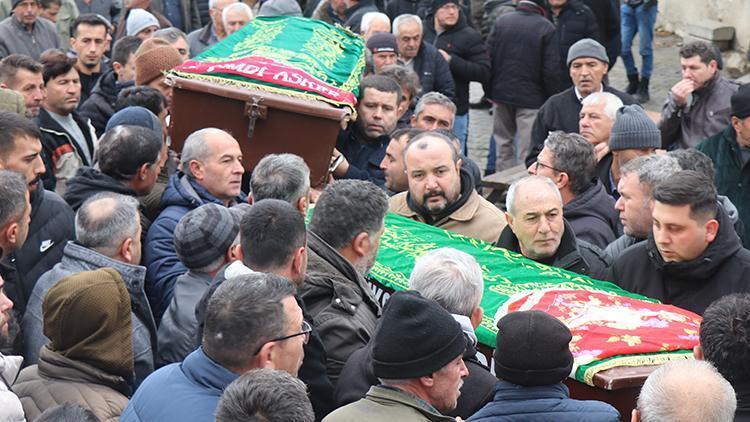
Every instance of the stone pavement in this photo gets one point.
(666, 73)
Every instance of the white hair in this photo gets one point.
(240, 7)
(450, 277)
(687, 390)
(369, 17)
(612, 102)
(405, 18)
(510, 197)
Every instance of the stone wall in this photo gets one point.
(674, 15)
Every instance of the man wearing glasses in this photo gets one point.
(252, 321)
(568, 160)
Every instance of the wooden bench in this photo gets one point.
(497, 184)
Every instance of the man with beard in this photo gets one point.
(440, 194)
(24, 75)
(343, 241)
(51, 218)
(69, 140)
(89, 41)
(25, 33)
(14, 227)
(363, 144)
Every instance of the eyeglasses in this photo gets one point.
(306, 330)
(537, 164)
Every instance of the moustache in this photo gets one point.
(429, 195)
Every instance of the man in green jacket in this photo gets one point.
(730, 152)
(418, 357)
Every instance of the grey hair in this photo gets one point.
(265, 395)
(369, 17)
(574, 155)
(245, 8)
(686, 390)
(280, 176)
(450, 277)
(405, 18)
(510, 197)
(611, 102)
(651, 170)
(13, 189)
(434, 98)
(196, 148)
(105, 220)
(170, 34)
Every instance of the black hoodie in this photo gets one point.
(593, 216)
(723, 268)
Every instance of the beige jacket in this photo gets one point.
(477, 218)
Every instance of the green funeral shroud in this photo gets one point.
(505, 274)
(294, 56)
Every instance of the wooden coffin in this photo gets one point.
(263, 123)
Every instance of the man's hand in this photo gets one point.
(342, 168)
(601, 149)
(446, 56)
(681, 91)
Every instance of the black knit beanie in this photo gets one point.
(417, 337)
(437, 4)
(532, 349)
(633, 129)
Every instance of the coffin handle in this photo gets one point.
(254, 110)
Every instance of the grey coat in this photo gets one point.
(15, 39)
(76, 259)
(706, 113)
(177, 335)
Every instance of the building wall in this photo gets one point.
(674, 15)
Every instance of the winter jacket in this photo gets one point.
(180, 392)
(110, 9)
(313, 369)
(574, 22)
(723, 268)
(521, 79)
(607, 14)
(52, 226)
(395, 8)
(358, 376)
(61, 154)
(323, 11)
(542, 403)
(77, 259)
(386, 404)
(16, 39)
(188, 11)
(433, 71)
(742, 392)
(56, 380)
(159, 256)
(100, 105)
(354, 14)
(473, 217)
(561, 112)
(177, 334)
(603, 173)
(732, 177)
(201, 39)
(707, 113)
(618, 246)
(573, 254)
(11, 409)
(342, 305)
(364, 155)
(469, 62)
(593, 216)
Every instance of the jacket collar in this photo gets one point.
(567, 254)
(462, 210)
(205, 372)
(132, 275)
(505, 390)
(54, 365)
(380, 393)
(10, 366)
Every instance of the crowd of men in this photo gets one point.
(139, 283)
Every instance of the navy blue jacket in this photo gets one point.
(159, 257)
(180, 392)
(364, 155)
(433, 71)
(544, 403)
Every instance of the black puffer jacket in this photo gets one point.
(573, 254)
(395, 8)
(574, 22)
(525, 68)
(469, 59)
(593, 216)
(723, 268)
(52, 225)
(433, 71)
(100, 105)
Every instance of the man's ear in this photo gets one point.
(427, 381)
(143, 171)
(476, 317)
(11, 233)
(234, 253)
(698, 352)
(509, 219)
(562, 180)
(302, 205)
(126, 250)
(196, 169)
(298, 261)
(3, 85)
(712, 228)
(361, 244)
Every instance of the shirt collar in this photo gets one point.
(580, 97)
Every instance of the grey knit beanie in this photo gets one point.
(633, 129)
(587, 48)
